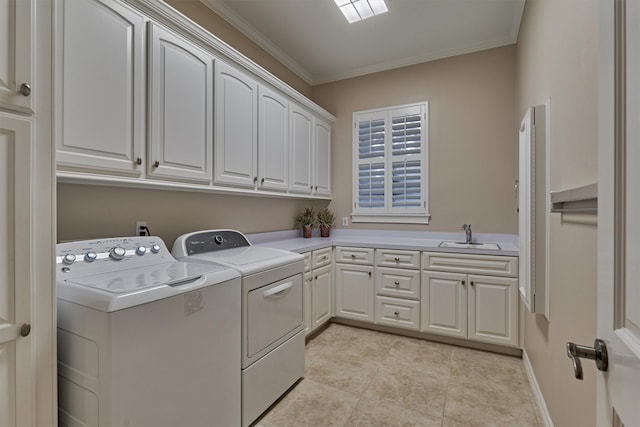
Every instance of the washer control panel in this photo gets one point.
(111, 254)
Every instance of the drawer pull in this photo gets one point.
(397, 313)
(463, 283)
(471, 283)
(396, 283)
(353, 256)
(396, 259)
(277, 291)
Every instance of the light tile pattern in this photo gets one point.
(358, 377)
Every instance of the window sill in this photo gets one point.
(391, 219)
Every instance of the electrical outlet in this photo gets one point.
(141, 228)
(345, 221)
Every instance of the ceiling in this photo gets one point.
(314, 40)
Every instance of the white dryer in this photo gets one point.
(143, 339)
(272, 312)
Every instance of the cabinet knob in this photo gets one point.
(396, 259)
(463, 283)
(156, 164)
(25, 89)
(369, 274)
(262, 181)
(397, 313)
(353, 256)
(255, 179)
(396, 283)
(25, 330)
(471, 283)
(138, 161)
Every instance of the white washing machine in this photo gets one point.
(272, 312)
(145, 340)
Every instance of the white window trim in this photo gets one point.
(372, 215)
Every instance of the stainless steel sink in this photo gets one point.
(463, 245)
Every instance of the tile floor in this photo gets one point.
(358, 377)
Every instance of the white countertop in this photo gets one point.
(292, 240)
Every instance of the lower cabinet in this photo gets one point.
(318, 289)
(398, 288)
(474, 306)
(354, 284)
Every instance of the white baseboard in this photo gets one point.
(545, 418)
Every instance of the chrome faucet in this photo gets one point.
(467, 231)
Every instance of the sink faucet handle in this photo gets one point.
(466, 226)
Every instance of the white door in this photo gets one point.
(15, 66)
(354, 292)
(301, 138)
(444, 303)
(236, 124)
(180, 108)
(322, 158)
(273, 140)
(100, 86)
(619, 214)
(321, 295)
(17, 387)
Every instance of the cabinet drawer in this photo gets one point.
(398, 312)
(307, 261)
(397, 258)
(398, 282)
(473, 264)
(349, 255)
(321, 257)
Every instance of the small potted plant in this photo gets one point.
(307, 220)
(326, 219)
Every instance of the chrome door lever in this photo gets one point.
(598, 353)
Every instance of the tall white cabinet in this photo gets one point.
(273, 140)
(100, 87)
(27, 315)
(180, 108)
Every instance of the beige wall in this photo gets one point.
(472, 137)
(557, 58)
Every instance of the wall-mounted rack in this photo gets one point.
(576, 200)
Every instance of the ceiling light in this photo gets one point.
(357, 10)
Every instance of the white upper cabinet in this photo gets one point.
(100, 87)
(236, 111)
(180, 108)
(273, 141)
(16, 48)
(322, 161)
(301, 145)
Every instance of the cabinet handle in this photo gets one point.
(397, 313)
(262, 181)
(353, 256)
(25, 89)
(316, 188)
(396, 283)
(25, 330)
(138, 161)
(156, 164)
(396, 259)
(463, 283)
(369, 274)
(471, 283)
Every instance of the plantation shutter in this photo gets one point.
(390, 165)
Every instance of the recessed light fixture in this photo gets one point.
(357, 10)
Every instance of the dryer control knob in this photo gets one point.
(117, 253)
(90, 256)
(69, 259)
(155, 249)
(141, 250)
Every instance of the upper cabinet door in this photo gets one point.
(16, 77)
(236, 134)
(273, 141)
(100, 87)
(180, 107)
(322, 158)
(301, 142)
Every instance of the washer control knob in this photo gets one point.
(69, 259)
(155, 248)
(117, 253)
(141, 250)
(218, 239)
(90, 256)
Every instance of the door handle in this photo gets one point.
(598, 353)
(277, 291)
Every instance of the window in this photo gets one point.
(390, 164)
